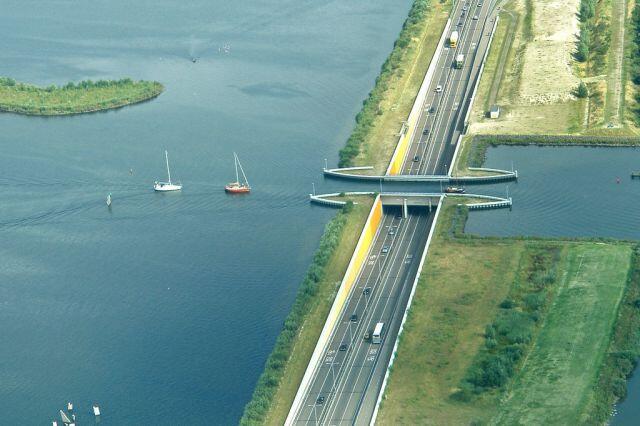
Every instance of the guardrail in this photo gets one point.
(500, 175)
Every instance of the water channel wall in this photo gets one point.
(360, 254)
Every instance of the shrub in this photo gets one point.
(582, 91)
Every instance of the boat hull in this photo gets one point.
(237, 188)
(166, 187)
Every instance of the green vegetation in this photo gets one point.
(520, 333)
(634, 55)
(85, 96)
(582, 91)
(375, 133)
(507, 338)
(285, 367)
(623, 353)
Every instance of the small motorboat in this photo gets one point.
(454, 190)
(238, 187)
(166, 186)
(69, 404)
(96, 410)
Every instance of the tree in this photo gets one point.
(582, 91)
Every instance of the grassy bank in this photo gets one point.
(374, 136)
(74, 98)
(474, 150)
(277, 386)
(479, 301)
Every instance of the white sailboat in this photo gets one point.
(166, 186)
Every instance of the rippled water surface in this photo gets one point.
(564, 191)
(164, 309)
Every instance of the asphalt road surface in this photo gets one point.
(345, 386)
(442, 114)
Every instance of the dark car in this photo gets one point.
(320, 400)
(354, 318)
(367, 335)
(416, 158)
(425, 132)
(366, 291)
(432, 110)
(343, 347)
(459, 23)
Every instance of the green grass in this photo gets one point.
(273, 409)
(464, 282)
(86, 96)
(561, 370)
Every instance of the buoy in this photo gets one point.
(617, 180)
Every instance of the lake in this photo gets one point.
(164, 309)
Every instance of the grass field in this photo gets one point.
(85, 96)
(307, 338)
(402, 90)
(459, 293)
(557, 377)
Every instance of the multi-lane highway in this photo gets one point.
(347, 380)
(345, 385)
(442, 114)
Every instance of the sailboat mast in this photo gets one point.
(246, 182)
(235, 161)
(166, 157)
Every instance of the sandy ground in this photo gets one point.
(536, 90)
(546, 75)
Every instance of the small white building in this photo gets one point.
(494, 112)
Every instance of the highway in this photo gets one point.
(346, 382)
(434, 141)
(345, 387)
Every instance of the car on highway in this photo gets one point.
(366, 291)
(480, 4)
(465, 8)
(425, 132)
(416, 158)
(354, 318)
(392, 232)
(343, 347)
(367, 335)
(320, 400)
(438, 88)
(459, 24)
(432, 110)
(385, 249)
(475, 17)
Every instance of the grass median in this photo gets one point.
(559, 321)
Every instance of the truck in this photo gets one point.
(453, 39)
(459, 61)
(376, 338)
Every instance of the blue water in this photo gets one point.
(164, 309)
(564, 192)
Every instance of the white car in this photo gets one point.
(438, 88)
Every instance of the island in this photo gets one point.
(74, 98)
